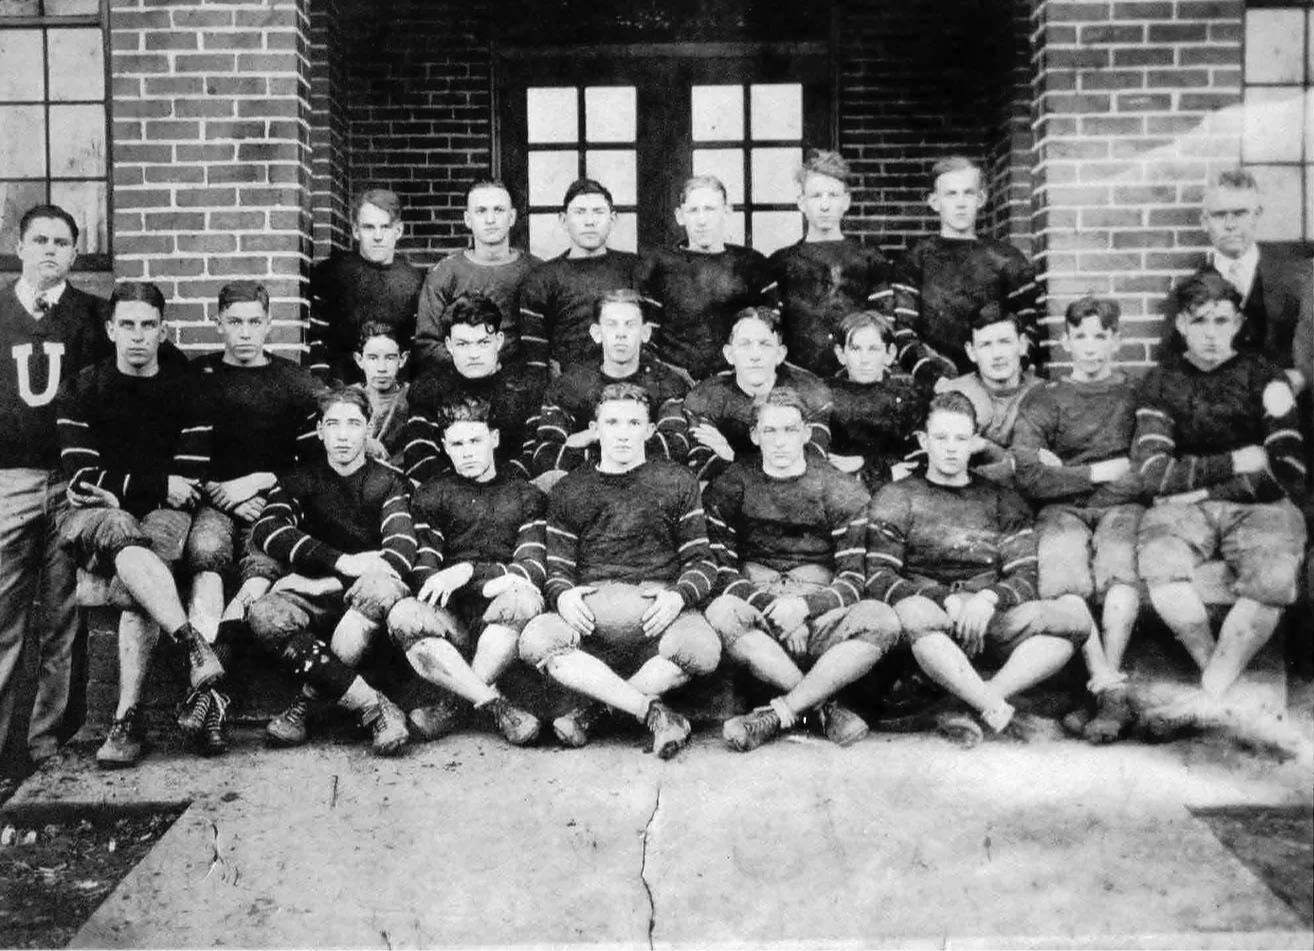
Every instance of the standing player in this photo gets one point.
(629, 566)
(698, 288)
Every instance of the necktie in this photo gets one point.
(1234, 276)
(42, 305)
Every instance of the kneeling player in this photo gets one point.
(789, 536)
(480, 571)
(629, 566)
(956, 557)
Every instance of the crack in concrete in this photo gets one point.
(643, 866)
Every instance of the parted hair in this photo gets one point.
(474, 310)
(468, 410)
(351, 395)
(47, 211)
(381, 198)
(785, 396)
(954, 163)
(1105, 308)
(993, 312)
(491, 183)
(1204, 287)
(376, 328)
(767, 315)
(143, 291)
(704, 181)
(243, 292)
(883, 324)
(952, 402)
(586, 186)
(621, 295)
(824, 162)
(629, 392)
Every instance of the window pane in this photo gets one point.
(553, 115)
(718, 112)
(1280, 186)
(725, 164)
(547, 238)
(1275, 46)
(773, 230)
(777, 111)
(16, 198)
(69, 8)
(77, 65)
(1274, 120)
(22, 141)
(20, 8)
(77, 141)
(609, 113)
(734, 228)
(625, 233)
(616, 169)
(773, 175)
(22, 78)
(550, 174)
(85, 201)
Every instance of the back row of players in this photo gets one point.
(781, 558)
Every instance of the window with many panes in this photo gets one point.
(54, 141)
(1278, 139)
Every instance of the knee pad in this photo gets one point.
(257, 565)
(375, 595)
(116, 531)
(731, 618)
(411, 621)
(274, 619)
(691, 644)
(1162, 559)
(873, 622)
(919, 616)
(514, 607)
(1270, 579)
(545, 637)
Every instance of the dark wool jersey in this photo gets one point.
(514, 397)
(314, 516)
(556, 306)
(498, 526)
(570, 400)
(941, 282)
(1081, 423)
(36, 357)
(816, 518)
(455, 275)
(642, 525)
(347, 291)
(264, 417)
(930, 539)
(128, 434)
(877, 421)
(1189, 421)
(719, 400)
(695, 298)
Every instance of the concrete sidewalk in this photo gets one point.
(900, 840)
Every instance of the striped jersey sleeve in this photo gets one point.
(889, 521)
(1018, 561)
(698, 571)
(561, 545)
(279, 535)
(1154, 455)
(397, 528)
(913, 355)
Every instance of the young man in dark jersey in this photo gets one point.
(557, 297)
(956, 557)
(943, 280)
(478, 579)
(1218, 448)
(135, 446)
(49, 330)
(720, 409)
(342, 524)
(368, 283)
(490, 266)
(1071, 444)
(789, 534)
(629, 569)
(381, 359)
(828, 275)
(474, 340)
(697, 288)
(566, 440)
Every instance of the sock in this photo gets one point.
(787, 716)
(359, 696)
(1098, 685)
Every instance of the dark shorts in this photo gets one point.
(464, 619)
(1067, 618)
(95, 536)
(1086, 551)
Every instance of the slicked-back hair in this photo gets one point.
(1105, 308)
(1200, 289)
(704, 181)
(767, 315)
(376, 328)
(883, 324)
(993, 312)
(468, 410)
(243, 292)
(952, 402)
(383, 199)
(491, 183)
(586, 186)
(474, 310)
(827, 163)
(351, 395)
(621, 295)
(955, 163)
(47, 211)
(784, 396)
(143, 291)
(624, 392)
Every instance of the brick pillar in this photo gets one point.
(1136, 104)
(211, 106)
(329, 132)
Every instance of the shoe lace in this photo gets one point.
(219, 702)
(295, 712)
(760, 722)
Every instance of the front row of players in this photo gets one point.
(629, 579)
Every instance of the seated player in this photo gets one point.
(720, 409)
(1218, 448)
(877, 410)
(566, 441)
(135, 446)
(789, 535)
(380, 358)
(474, 341)
(629, 568)
(263, 411)
(956, 557)
(1082, 427)
(479, 578)
(342, 524)
(699, 287)
(944, 279)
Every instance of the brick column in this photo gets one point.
(1136, 104)
(211, 105)
(329, 133)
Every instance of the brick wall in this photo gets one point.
(1136, 103)
(211, 154)
(330, 139)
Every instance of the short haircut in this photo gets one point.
(629, 392)
(622, 295)
(382, 198)
(993, 312)
(47, 211)
(468, 410)
(351, 395)
(824, 162)
(952, 402)
(954, 163)
(704, 181)
(143, 291)
(1239, 179)
(490, 183)
(883, 324)
(474, 310)
(586, 186)
(767, 315)
(784, 396)
(376, 328)
(1105, 308)
(1201, 288)
(243, 292)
